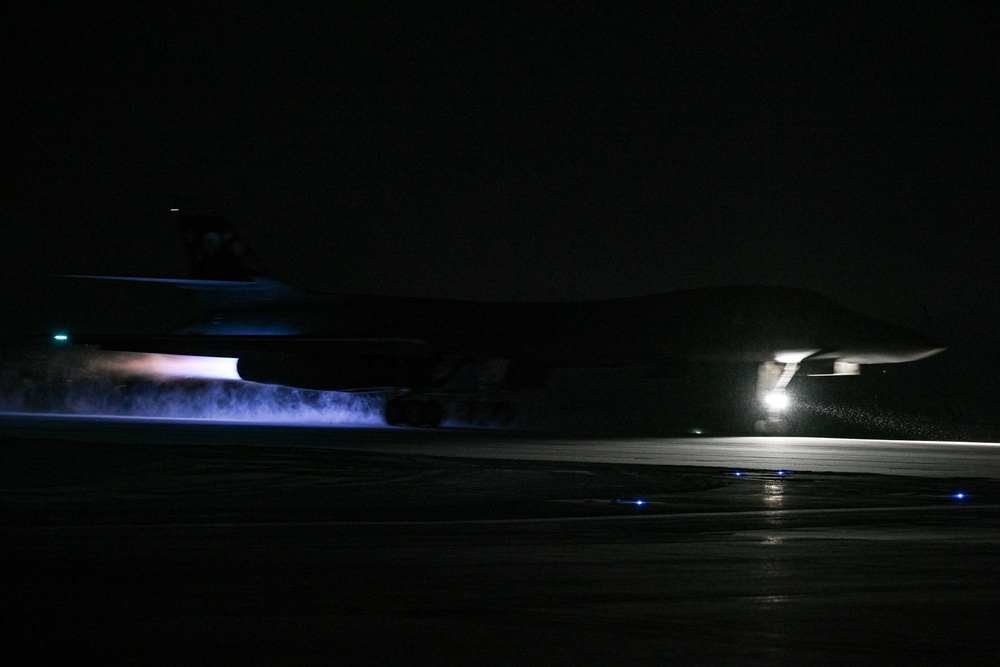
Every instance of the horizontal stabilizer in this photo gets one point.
(239, 346)
(225, 272)
(183, 283)
(222, 293)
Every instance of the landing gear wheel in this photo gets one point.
(432, 415)
(413, 412)
(772, 427)
(394, 412)
(502, 414)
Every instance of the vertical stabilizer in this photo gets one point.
(214, 251)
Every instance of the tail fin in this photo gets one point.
(224, 271)
(214, 250)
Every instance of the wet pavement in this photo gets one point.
(123, 549)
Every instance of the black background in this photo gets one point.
(506, 153)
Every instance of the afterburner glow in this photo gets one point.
(173, 366)
(85, 381)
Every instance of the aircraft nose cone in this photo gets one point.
(913, 345)
(892, 345)
(916, 346)
(921, 353)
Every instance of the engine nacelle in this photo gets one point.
(342, 373)
(833, 368)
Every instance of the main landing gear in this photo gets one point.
(429, 412)
(405, 411)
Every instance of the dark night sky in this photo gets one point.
(501, 154)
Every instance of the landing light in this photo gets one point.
(777, 400)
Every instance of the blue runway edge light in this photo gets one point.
(737, 473)
(60, 338)
(960, 496)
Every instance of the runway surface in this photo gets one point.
(885, 457)
(190, 542)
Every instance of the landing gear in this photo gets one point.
(772, 395)
(772, 426)
(485, 414)
(413, 412)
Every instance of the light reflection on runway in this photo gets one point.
(229, 526)
(846, 455)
